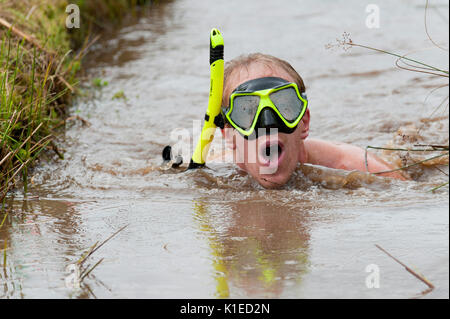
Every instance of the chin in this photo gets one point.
(273, 181)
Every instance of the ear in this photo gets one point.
(305, 125)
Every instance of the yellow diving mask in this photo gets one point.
(264, 103)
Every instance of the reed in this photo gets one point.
(31, 102)
(411, 271)
(404, 62)
(79, 271)
(40, 60)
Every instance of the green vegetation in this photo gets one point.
(120, 95)
(99, 83)
(39, 62)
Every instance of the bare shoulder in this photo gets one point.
(324, 153)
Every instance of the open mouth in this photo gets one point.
(271, 153)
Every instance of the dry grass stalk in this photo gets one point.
(414, 273)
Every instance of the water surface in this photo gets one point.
(214, 233)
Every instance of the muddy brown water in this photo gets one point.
(214, 233)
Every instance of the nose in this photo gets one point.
(268, 119)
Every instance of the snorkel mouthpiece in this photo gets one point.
(269, 123)
(268, 119)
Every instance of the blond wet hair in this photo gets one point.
(245, 60)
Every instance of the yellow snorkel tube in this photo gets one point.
(212, 116)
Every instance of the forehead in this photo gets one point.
(254, 71)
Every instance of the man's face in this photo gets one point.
(270, 159)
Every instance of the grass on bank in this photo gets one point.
(35, 78)
(39, 62)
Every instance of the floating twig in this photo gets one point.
(85, 274)
(415, 274)
(438, 187)
(78, 272)
(443, 149)
(86, 254)
(436, 147)
(95, 247)
(407, 166)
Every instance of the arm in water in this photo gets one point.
(347, 157)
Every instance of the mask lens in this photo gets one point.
(244, 110)
(288, 103)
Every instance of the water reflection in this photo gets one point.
(256, 243)
(258, 247)
(30, 225)
(125, 44)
